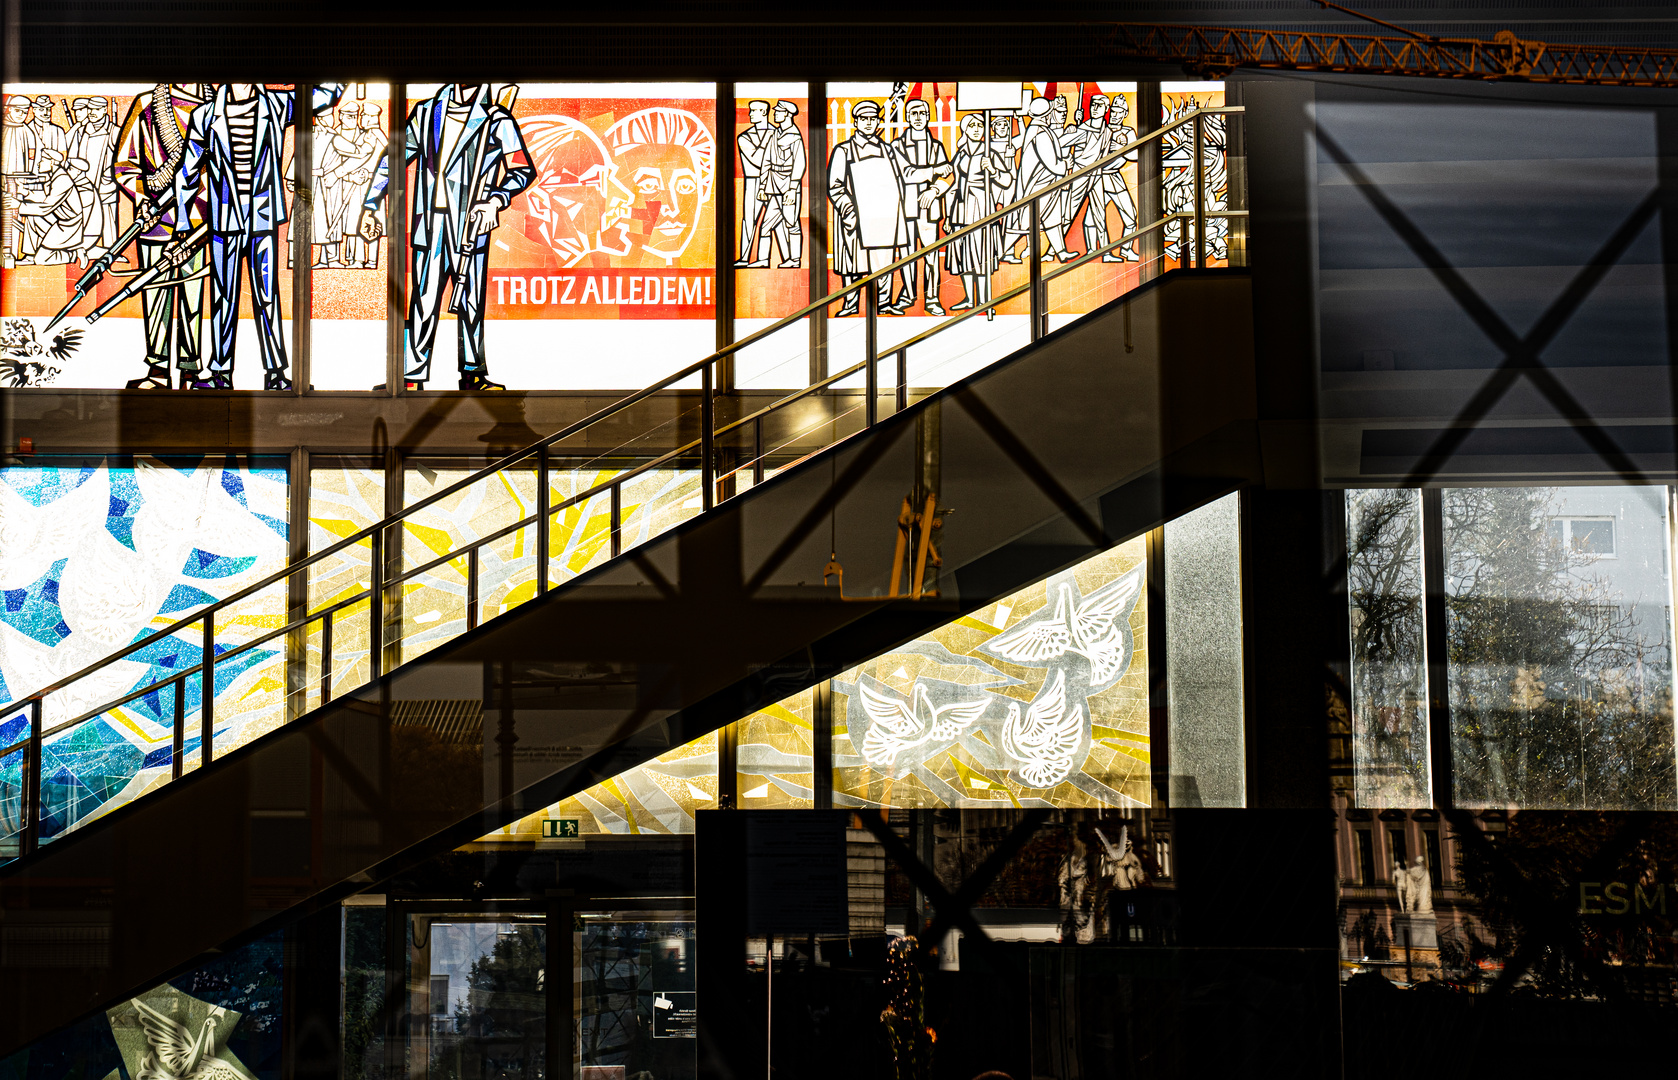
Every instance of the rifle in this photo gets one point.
(172, 259)
(468, 235)
(97, 269)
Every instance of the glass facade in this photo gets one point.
(1202, 557)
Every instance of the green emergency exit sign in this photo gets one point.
(564, 828)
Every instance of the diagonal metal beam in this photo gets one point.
(1034, 470)
(986, 873)
(1522, 356)
(922, 876)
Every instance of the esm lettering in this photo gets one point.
(1619, 897)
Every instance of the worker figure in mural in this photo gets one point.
(754, 145)
(54, 214)
(469, 162)
(17, 175)
(1092, 140)
(1041, 164)
(151, 144)
(344, 215)
(1177, 161)
(235, 153)
(92, 138)
(780, 193)
(865, 186)
(927, 177)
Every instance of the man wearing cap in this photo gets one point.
(927, 176)
(1041, 164)
(93, 139)
(58, 210)
(780, 191)
(47, 133)
(754, 145)
(18, 148)
(865, 186)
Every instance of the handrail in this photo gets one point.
(384, 578)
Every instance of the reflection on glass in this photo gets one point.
(1389, 666)
(480, 1006)
(1560, 650)
(633, 992)
(1003, 708)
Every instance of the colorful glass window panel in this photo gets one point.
(348, 279)
(1039, 700)
(194, 298)
(98, 556)
(603, 218)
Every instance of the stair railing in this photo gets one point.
(1187, 133)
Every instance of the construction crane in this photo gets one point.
(1214, 52)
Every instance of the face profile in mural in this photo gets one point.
(578, 204)
(668, 158)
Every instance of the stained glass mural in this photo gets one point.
(95, 556)
(348, 282)
(588, 203)
(1041, 700)
(129, 215)
(658, 797)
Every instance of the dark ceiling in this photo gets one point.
(281, 41)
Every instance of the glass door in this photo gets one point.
(478, 991)
(633, 1002)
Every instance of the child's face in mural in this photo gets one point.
(666, 182)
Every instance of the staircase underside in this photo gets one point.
(1089, 437)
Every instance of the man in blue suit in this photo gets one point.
(235, 148)
(469, 162)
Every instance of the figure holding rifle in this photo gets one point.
(469, 162)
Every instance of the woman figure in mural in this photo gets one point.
(982, 176)
(668, 158)
(578, 205)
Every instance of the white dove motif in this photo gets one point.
(1046, 740)
(1091, 630)
(172, 1054)
(898, 726)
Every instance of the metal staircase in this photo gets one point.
(1092, 432)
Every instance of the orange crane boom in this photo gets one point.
(1215, 51)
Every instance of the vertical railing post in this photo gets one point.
(1036, 270)
(1200, 191)
(707, 436)
(544, 519)
(207, 693)
(617, 520)
(871, 353)
(472, 588)
(902, 380)
(32, 780)
(177, 742)
(326, 658)
(376, 604)
(757, 451)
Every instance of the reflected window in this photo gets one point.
(1560, 659)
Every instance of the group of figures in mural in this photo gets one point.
(206, 173)
(894, 194)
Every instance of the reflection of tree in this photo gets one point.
(1558, 698)
(1575, 904)
(1384, 584)
(620, 962)
(501, 1028)
(364, 993)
